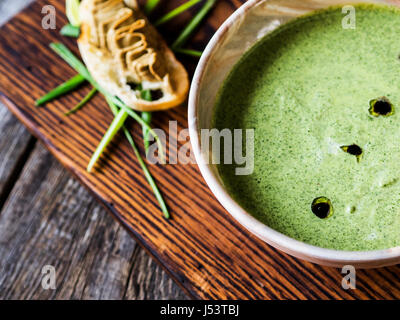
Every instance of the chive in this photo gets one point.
(133, 114)
(75, 63)
(191, 27)
(189, 52)
(146, 116)
(116, 124)
(64, 88)
(150, 6)
(70, 31)
(177, 11)
(146, 171)
(83, 102)
(72, 11)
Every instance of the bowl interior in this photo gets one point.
(242, 30)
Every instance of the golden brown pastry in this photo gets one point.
(125, 54)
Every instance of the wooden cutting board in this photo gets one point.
(208, 253)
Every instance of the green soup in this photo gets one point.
(307, 90)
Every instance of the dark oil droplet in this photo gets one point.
(381, 107)
(354, 150)
(322, 207)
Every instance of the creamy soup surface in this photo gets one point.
(324, 102)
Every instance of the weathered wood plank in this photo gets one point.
(9, 8)
(15, 145)
(110, 260)
(143, 277)
(15, 141)
(49, 219)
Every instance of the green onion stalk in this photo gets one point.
(62, 89)
(146, 171)
(72, 11)
(70, 31)
(175, 12)
(193, 24)
(75, 63)
(120, 110)
(83, 102)
(150, 6)
(146, 116)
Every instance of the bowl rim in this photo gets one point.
(266, 233)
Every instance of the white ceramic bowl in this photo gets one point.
(249, 23)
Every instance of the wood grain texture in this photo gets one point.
(93, 275)
(50, 219)
(15, 145)
(15, 141)
(203, 248)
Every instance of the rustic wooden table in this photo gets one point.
(48, 218)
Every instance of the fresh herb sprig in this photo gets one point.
(112, 130)
(70, 31)
(189, 52)
(119, 109)
(193, 24)
(146, 95)
(175, 12)
(146, 171)
(72, 12)
(62, 89)
(146, 116)
(150, 6)
(76, 64)
(85, 100)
